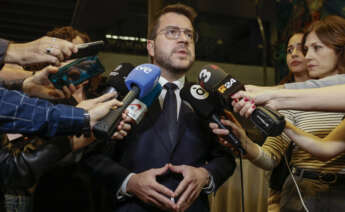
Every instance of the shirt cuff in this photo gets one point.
(122, 192)
(211, 187)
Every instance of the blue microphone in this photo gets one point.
(140, 81)
(138, 108)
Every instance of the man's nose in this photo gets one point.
(183, 37)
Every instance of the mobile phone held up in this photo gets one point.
(77, 72)
(88, 49)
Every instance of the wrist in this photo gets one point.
(25, 85)
(280, 98)
(254, 152)
(206, 177)
(13, 55)
(130, 184)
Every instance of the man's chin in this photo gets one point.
(183, 64)
(181, 68)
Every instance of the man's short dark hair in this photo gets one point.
(174, 8)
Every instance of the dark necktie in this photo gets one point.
(170, 112)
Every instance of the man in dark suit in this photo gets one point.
(171, 161)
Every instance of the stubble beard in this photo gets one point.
(166, 62)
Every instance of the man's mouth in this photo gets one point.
(182, 51)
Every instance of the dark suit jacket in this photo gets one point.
(145, 148)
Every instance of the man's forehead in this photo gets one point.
(176, 20)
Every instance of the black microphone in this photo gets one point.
(140, 82)
(116, 80)
(223, 85)
(204, 105)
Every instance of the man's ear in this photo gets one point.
(151, 47)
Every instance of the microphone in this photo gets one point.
(138, 108)
(140, 81)
(204, 105)
(116, 79)
(223, 85)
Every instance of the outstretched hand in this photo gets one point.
(48, 50)
(100, 106)
(248, 145)
(39, 85)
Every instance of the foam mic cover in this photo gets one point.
(204, 105)
(145, 77)
(138, 108)
(116, 79)
(223, 85)
(217, 81)
(140, 81)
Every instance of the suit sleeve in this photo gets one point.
(33, 116)
(221, 163)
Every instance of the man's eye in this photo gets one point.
(189, 34)
(172, 32)
(289, 51)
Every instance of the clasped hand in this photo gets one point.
(145, 186)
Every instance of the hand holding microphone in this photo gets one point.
(205, 105)
(223, 85)
(139, 82)
(135, 112)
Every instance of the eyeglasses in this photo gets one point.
(173, 33)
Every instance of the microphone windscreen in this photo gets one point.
(145, 77)
(216, 80)
(149, 98)
(116, 78)
(210, 76)
(202, 102)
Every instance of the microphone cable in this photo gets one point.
(241, 175)
(240, 152)
(296, 185)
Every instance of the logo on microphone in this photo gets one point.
(227, 85)
(204, 75)
(198, 92)
(117, 68)
(134, 107)
(145, 69)
(114, 73)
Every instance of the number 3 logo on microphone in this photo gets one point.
(204, 75)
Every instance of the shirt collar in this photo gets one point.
(180, 82)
